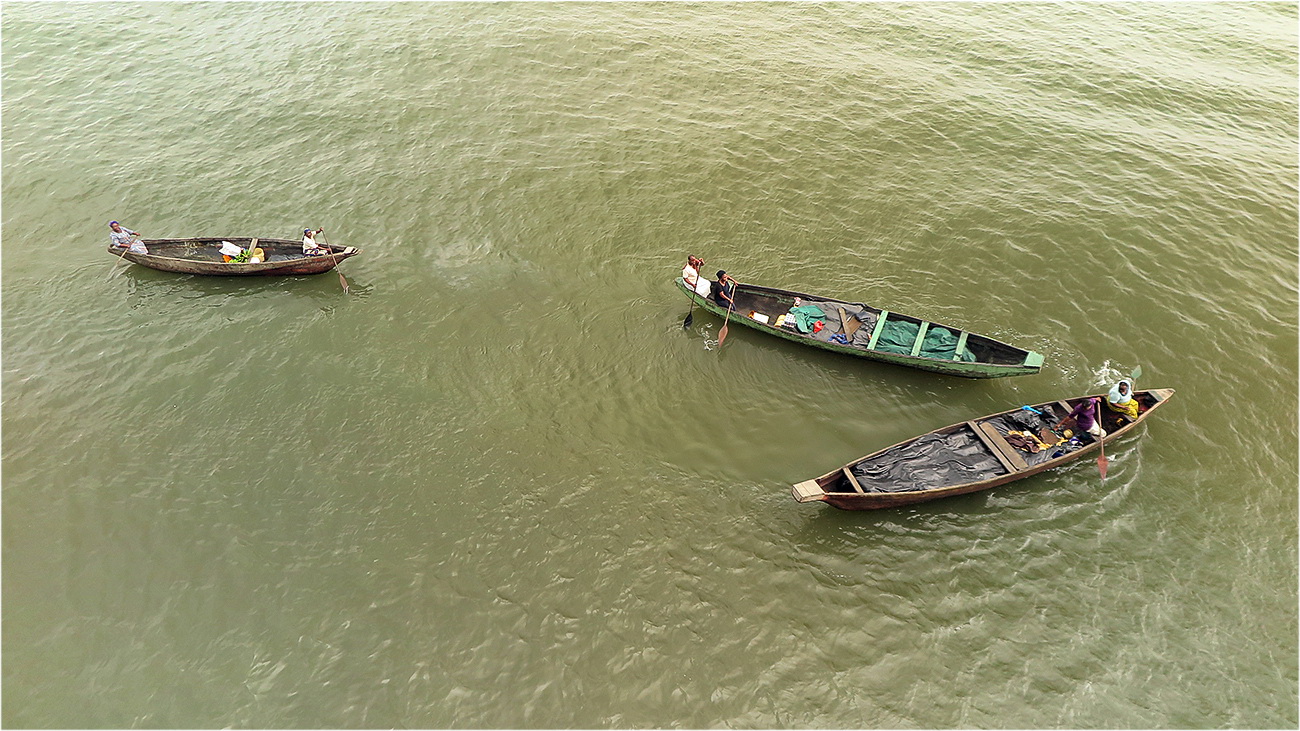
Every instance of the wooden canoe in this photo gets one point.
(966, 457)
(203, 256)
(877, 334)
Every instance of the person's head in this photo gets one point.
(722, 276)
(1123, 387)
(115, 225)
(307, 232)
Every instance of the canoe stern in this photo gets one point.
(808, 491)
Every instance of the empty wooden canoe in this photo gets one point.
(966, 457)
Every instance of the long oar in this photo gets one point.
(1102, 463)
(121, 255)
(334, 258)
(722, 334)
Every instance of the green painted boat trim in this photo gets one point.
(880, 327)
(1013, 361)
(961, 343)
(920, 338)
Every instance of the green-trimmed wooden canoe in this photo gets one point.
(877, 334)
(966, 457)
(203, 256)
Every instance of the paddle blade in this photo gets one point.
(344, 282)
(690, 317)
(722, 335)
(1136, 374)
(1103, 464)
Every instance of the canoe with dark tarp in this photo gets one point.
(970, 456)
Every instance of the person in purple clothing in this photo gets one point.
(1085, 417)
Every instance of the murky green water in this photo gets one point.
(498, 485)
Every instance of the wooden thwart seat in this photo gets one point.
(1005, 453)
(853, 480)
(879, 328)
(920, 338)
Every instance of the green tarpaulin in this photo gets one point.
(899, 336)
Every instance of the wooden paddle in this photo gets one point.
(722, 334)
(1102, 463)
(122, 255)
(690, 315)
(845, 321)
(334, 258)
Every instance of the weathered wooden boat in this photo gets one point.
(203, 256)
(969, 456)
(874, 333)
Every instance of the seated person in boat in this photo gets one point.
(309, 245)
(1085, 417)
(1120, 400)
(691, 275)
(122, 237)
(725, 291)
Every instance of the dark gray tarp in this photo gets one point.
(930, 461)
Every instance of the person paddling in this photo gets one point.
(122, 237)
(691, 275)
(1085, 417)
(309, 245)
(725, 292)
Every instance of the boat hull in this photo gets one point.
(838, 488)
(201, 256)
(1017, 362)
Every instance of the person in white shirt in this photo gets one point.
(309, 245)
(691, 275)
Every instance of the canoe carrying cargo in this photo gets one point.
(859, 330)
(970, 456)
(203, 256)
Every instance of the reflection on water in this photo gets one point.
(497, 484)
